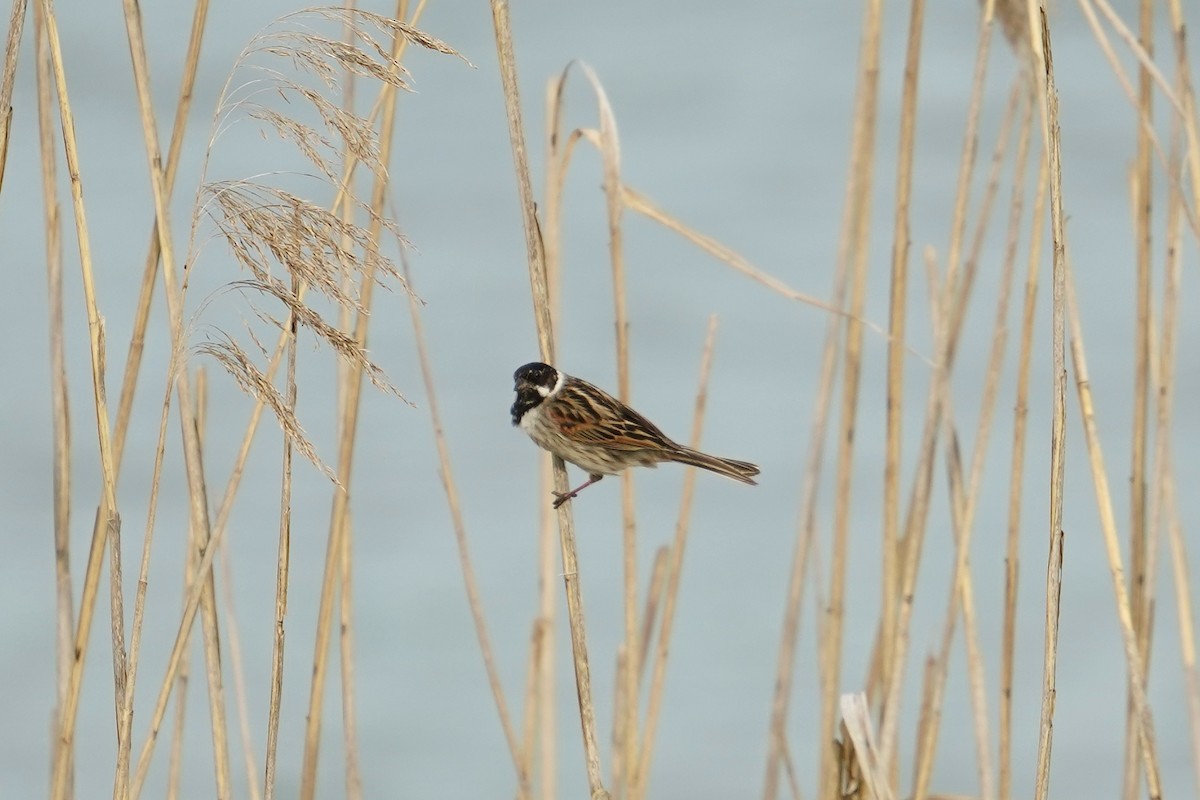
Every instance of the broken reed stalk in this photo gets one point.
(1058, 419)
(542, 316)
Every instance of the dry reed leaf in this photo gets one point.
(856, 717)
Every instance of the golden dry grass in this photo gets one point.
(293, 249)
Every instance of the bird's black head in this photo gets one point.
(533, 383)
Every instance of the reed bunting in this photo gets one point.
(598, 433)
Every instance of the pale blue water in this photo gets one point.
(736, 120)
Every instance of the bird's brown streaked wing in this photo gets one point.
(591, 416)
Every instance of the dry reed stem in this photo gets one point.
(542, 316)
(525, 751)
(1183, 608)
(1187, 115)
(654, 599)
(231, 629)
(349, 152)
(639, 779)
(1148, 64)
(151, 517)
(353, 775)
(915, 523)
(137, 339)
(929, 719)
(1020, 421)
(625, 777)
(1141, 589)
(1164, 511)
(1108, 527)
(853, 253)
(282, 563)
(122, 678)
(12, 49)
(108, 518)
(897, 325)
(832, 633)
(966, 170)
(209, 630)
(236, 664)
(1145, 60)
(458, 523)
(191, 449)
(789, 769)
(532, 696)
(60, 410)
(1058, 420)
(549, 238)
(175, 756)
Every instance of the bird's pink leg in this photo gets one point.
(564, 497)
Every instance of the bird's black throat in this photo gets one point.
(527, 397)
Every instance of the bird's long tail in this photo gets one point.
(742, 471)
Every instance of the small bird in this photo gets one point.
(598, 433)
